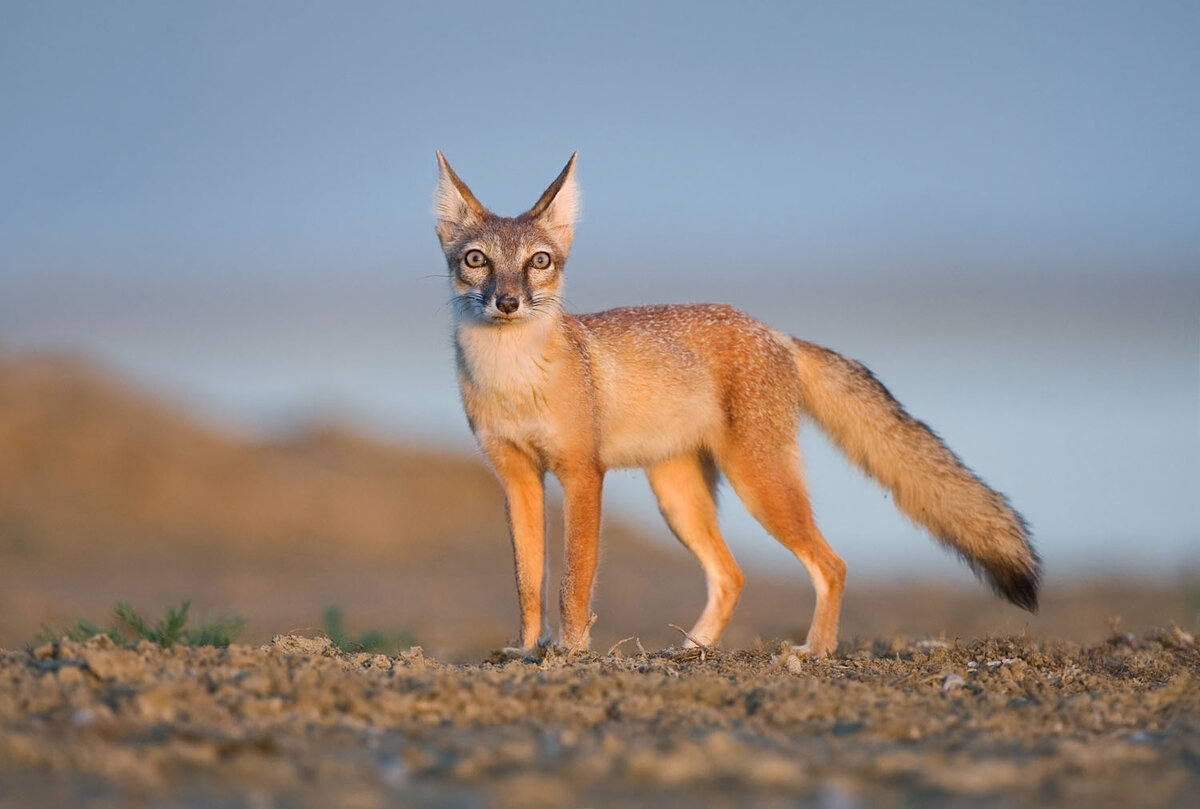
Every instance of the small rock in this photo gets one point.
(112, 664)
(953, 682)
(414, 659)
(297, 644)
(101, 641)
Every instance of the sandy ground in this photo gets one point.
(888, 723)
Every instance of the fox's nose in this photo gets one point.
(507, 303)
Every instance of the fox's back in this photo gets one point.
(674, 378)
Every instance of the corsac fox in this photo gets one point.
(687, 392)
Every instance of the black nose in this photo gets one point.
(507, 303)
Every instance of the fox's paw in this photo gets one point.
(508, 654)
(810, 650)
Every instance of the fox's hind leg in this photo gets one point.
(769, 481)
(685, 488)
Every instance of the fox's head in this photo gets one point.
(502, 269)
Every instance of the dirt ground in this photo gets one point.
(298, 723)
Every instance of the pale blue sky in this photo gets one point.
(996, 206)
(184, 137)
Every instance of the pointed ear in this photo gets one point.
(453, 203)
(558, 207)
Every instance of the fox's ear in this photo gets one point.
(558, 207)
(453, 203)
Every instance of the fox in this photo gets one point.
(690, 394)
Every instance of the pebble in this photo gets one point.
(953, 682)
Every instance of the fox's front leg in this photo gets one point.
(524, 489)
(581, 494)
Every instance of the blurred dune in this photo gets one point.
(109, 494)
(91, 467)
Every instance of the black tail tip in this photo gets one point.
(1019, 584)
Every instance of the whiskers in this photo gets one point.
(469, 304)
(543, 305)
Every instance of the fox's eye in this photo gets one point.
(540, 261)
(474, 259)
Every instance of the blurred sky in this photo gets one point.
(996, 206)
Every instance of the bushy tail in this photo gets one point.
(928, 481)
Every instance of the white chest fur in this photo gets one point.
(506, 374)
(509, 361)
